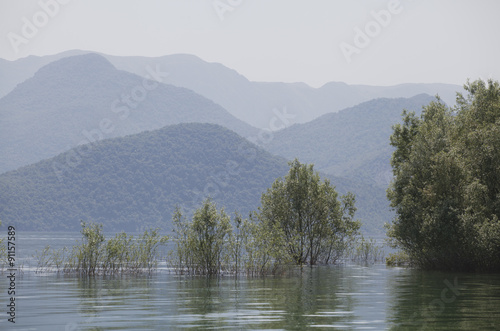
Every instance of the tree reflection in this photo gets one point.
(423, 300)
(309, 296)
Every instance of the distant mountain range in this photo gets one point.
(136, 181)
(80, 99)
(64, 110)
(252, 102)
(352, 143)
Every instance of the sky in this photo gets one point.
(313, 41)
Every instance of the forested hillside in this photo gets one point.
(352, 143)
(136, 181)
(81, 99)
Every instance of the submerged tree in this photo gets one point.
(89, 253)
(96, 255)
(446, 187)
(316, 226)
(202, 244)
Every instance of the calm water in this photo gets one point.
(348, 297)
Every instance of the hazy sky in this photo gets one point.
(314, 41)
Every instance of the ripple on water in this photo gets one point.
(343, 297)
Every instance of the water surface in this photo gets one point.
(345, 297)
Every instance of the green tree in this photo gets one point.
(307, 212)
(88, 255)
(202, 244)
(118, 253)
(236, 238)
(446, 187)
(265, 247)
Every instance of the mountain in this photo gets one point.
(352, 143)
(80, 99)
(136, 181)
(16, 72)
(253, 102)
(257, 102)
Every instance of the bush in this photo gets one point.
(367, 251)
(398, 259)
(202, 244)
(94, 255)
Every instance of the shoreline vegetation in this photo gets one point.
(301, 221)
(445, 193)
(122, 254)
(125, 254)
(446, 186)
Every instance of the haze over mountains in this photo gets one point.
(352, 143)
(84, 98)
(74, 104)
(252, 102)
(136, 182)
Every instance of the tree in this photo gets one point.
(89, 253)
(202, 244)
(306, 211)
(446, 187)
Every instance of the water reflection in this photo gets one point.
(344, 297)
(422, 300)
(317, 297)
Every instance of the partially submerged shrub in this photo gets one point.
(202, 245)
(96, 255)
(367, 251)
(397, 259)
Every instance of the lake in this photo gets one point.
(342, 297)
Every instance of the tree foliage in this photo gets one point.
(446, 187)
(97, 256)
(316, 226)
(300, 221)
(202, 244)
(210, 244)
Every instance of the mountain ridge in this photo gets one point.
(136, 181)
(348, 141)
(84, 98)
(250, 101)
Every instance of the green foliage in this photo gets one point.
(89, 253)
(210, 231)
(398, 259)
(124, 253)
(367, 251)
(48, 259)
(118, 254)
(352, 146)
(265, 248)
(236, 239)
(315, 225)
(59, 257)
(96, 255)
(209, 244)
(145, 249)
(43, 258)
(203, 244)
(446, 190)
(181, 257)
